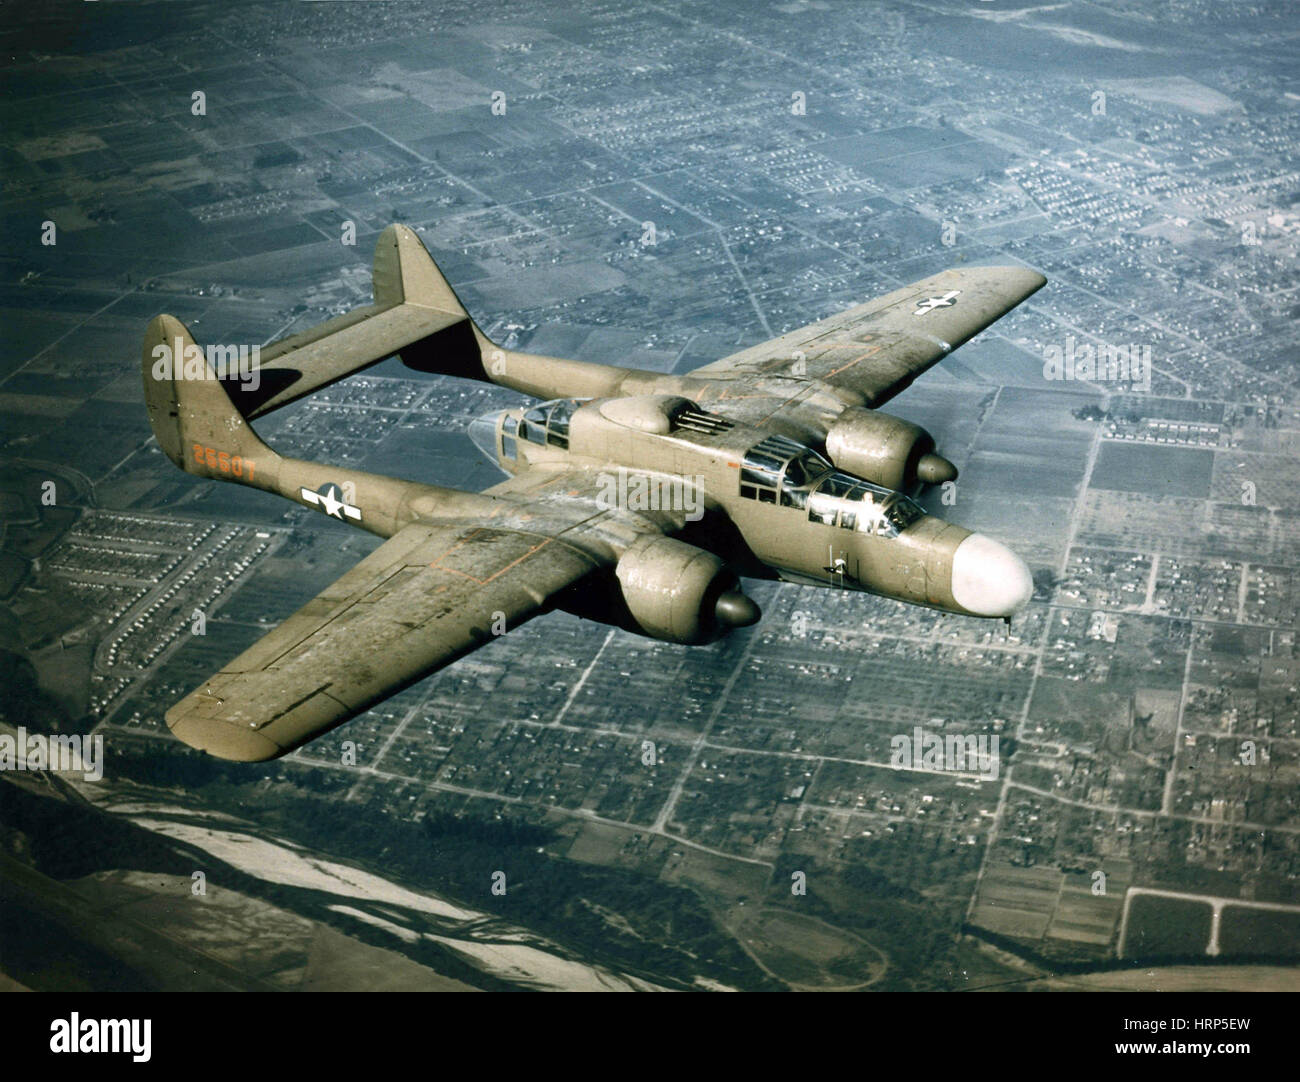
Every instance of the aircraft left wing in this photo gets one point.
(877, 349)
(427, 596)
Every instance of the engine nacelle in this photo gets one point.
(886, 450)
(679, 593)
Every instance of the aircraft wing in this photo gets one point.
(427, 596)
(877, 349)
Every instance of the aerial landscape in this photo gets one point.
(658, 186)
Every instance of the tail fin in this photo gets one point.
(405, 273)
(193, 418)
(200, 429)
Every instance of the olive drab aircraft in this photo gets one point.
(637, 498)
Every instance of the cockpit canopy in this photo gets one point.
(853, 504)
(547, 423)
(779, 470)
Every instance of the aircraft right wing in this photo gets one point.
(427, 596)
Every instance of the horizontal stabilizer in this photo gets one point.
(415, 313)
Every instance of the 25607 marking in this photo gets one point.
(223, 461)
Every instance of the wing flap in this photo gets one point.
(427, 596)
(878, 348)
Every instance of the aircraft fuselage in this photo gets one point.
(793, 515)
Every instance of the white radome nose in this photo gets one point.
(989, 579)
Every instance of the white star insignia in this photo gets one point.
(327, 499)
(931, 303)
